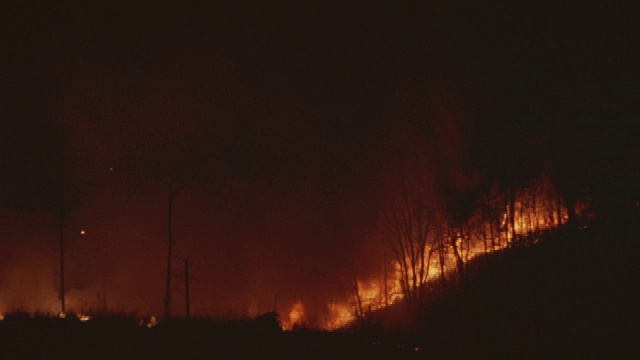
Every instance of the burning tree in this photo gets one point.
(410, 224)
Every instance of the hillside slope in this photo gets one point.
(575, 294)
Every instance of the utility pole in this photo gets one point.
(186, 287)
(173, 192)
(167, 298)
(62, 305)
(104, 294)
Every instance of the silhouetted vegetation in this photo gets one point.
(26, 337)
(573, 294)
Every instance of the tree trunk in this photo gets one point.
(456, 253)
(442, 259)
(386, 281)
(356, 290)
(558, 209)
(484, 227)
(512, 215)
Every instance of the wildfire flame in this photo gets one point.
(340, 315)
(296, 316)
(536, 209)
(533, 210)
(153, 321)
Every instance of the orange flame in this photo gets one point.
(536, 209)
(296, 316)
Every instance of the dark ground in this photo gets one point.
(48, 338)
(573, 296)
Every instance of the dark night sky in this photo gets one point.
(293, 121)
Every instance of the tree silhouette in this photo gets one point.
(410, 223)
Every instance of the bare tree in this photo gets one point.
(409, 225)
(356, 289)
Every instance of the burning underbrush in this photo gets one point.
(424, 248)
(523, 286)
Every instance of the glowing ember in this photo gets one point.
(62, 315)
(83, 318)
(152, 322)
